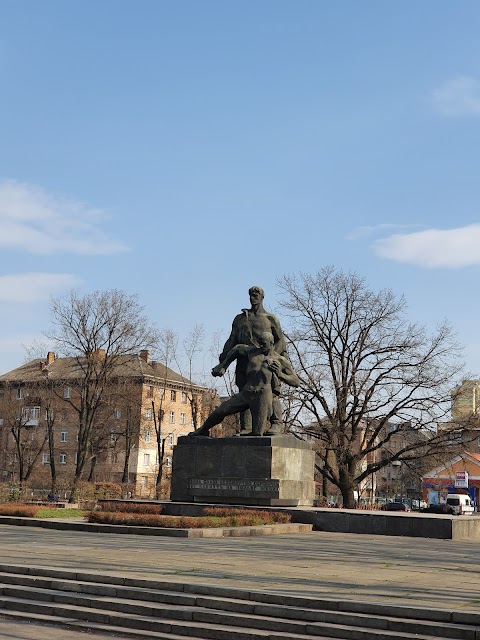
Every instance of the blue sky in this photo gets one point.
(185, 150)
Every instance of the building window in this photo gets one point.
(171, 439)
(30, 413)
(173, 396)
(63, 436)
(144, 482)
(114, 457)
(62, 458)
(148, 436)
(161, 415)
(49, 414)
(45, 458)
(64, 414)
(149, 392)
(148, 414)
(172, 417)
(117, 413)
(183, 418)
(168, 461)
(29, 416)
(19, 393)
(184, 397)
(146, 458)
(67, 393)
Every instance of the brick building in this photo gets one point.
(140, 399)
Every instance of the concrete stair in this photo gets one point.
(131, 607)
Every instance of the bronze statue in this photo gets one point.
(246, 329)
(265, 370)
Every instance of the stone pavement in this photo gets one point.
(426, 572)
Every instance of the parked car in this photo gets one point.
(395, 506)
(438, 508)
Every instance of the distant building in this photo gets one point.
(466, 400)
(460, 474)
(464, 427)
(141, 398)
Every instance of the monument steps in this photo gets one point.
(171, 610)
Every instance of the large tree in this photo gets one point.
(98, 330)
(368, 375)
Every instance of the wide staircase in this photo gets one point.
(135, 608)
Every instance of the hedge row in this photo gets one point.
(22, 510)
(268, 517)
(130, 507)
(212, 517)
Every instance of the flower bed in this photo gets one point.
(212, 517)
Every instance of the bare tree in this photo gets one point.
(168, 348)
(98, 330)
(50, 417)
(367, 375)
(20, 409)
(192, 346)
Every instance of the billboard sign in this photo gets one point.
(461, 480)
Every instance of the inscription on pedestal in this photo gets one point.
(233, 484)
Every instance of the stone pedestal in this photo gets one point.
(264, 471)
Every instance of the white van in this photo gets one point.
(460, 503)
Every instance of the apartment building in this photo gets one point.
(141, 403)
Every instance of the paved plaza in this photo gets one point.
(401, 570)
(426, 572)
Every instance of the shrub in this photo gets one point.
(255, 515)
(22, 510)
(236, 518)
(154, 520)
(131, 507)
(88, 491)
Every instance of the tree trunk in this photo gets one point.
(74, 490)
(128, 450)
(53, 469)
(93, 464)
(347, 487)
(158, 487)
(126, 464)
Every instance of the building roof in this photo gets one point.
(446, 467)
(126, 366)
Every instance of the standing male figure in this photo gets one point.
(265, 370)
(246, 330)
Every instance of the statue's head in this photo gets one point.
(265, 341)
(256, 294)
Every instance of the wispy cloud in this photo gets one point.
(38, 222)
(370, 230)
(33, 287)
(458, 97)
(433, 247)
